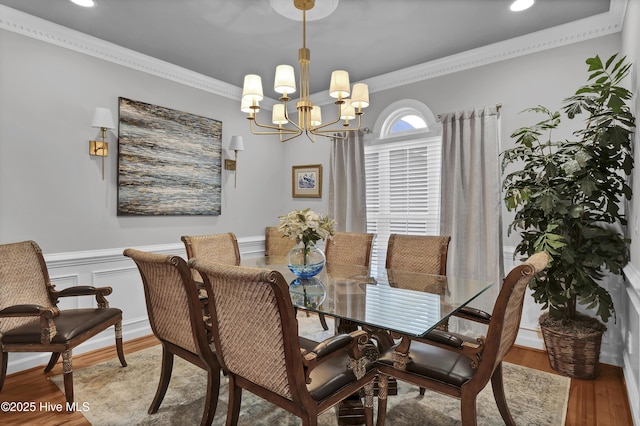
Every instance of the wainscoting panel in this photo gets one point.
(631, 320)
(109, 268)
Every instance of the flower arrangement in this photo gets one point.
(306, 226)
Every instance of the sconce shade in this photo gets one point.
(316, 115)
(339, 87)
(285, 81)
(277, 116)
(245, 106)
(252, 89)
(360, 95)
(103, 118)
(347, 112)
(236, 144)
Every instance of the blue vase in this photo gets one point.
(307, 292)
(306, 261)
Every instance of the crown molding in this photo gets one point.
(573, 32)
(561, 35)
(31, 26)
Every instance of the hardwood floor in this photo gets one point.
(601, 402)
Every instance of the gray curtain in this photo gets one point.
(347, 187)
(471, 201)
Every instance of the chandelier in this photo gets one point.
(349, 103)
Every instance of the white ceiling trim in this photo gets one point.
(574, 32)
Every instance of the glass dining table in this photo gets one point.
(388, 304)
(405, 303)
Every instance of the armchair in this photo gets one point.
(458, 365)
(348, 248)
(256, 338)
(276, 244)
(30, 320)
(220, 248)
(177, 320)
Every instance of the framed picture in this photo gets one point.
(306, 181)
(169, 162)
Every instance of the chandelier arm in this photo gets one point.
(286, 116)
(345, 129)
(322, 126)
(294, 136)
(275, 129)
(278, 128)
(335, 135)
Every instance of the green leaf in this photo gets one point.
(594, 63)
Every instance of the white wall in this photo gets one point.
(51, 189)
(630, 315)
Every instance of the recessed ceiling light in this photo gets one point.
(520, 5)
(84, 3)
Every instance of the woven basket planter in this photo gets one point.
(574, 350)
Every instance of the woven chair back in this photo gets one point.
(24, 280)
(276, 244)
(349, 248)
(507, 311)
(256, 327)
(219, 248)
(426, 254)
(171, 296)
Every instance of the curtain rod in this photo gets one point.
(498, 106)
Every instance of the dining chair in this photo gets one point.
(30, 320)
(221, 248)
(458, 365)
(418, 253)
(347, 248)
(276, 244)
(256, 338)
(176, 319)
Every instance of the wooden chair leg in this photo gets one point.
(323, 321)
(119, 348)
(497, 385)
(368, 404)
(383, 383)
(235, 399)
(211, 400)
(468, 413)
(4, 357)
(52, 361)
(67, 370)
(165, 377)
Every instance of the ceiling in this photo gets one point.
(226, 39)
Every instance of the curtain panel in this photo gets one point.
(347, 185)
(470, 207)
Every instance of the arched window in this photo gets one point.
(402, 166)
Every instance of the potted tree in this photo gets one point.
(567, 197)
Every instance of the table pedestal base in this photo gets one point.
(351, 410)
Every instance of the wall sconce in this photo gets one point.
(236, 144)
(101, 118)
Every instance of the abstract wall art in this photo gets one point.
(169, 162)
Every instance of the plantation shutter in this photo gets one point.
(403, 191)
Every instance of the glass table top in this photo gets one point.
(402, 302)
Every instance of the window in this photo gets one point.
(403, 177)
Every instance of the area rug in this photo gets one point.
(121, 396)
